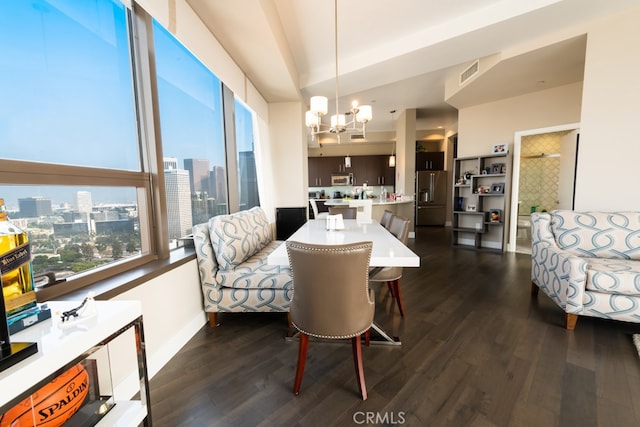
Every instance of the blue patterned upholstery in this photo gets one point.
(588, 262)
(232, 255)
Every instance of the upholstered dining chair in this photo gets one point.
(316, 214)
(385, 221)
(399, 227)
(331, 298)
(347, 213)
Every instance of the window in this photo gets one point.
(247, 176)
(70, 169)
(191, 121)
(77, 169)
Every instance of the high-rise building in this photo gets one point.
(84, 204)
(218, 184)
(33, 207)
(199, 170)
(177, 190)
(170, 163)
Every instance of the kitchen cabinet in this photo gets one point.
(481, 201)
(374, 170)
(321, 168)
(115, 323)
(430, 160)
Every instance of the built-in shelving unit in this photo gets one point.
(480, 201)
(62, 346)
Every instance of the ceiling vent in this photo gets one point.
(356, 137)
(469, 72)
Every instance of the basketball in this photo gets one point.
(53, 404)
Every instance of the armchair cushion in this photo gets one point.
(613, 276)
(237, 237)
(598, 234)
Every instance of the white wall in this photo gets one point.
(609, 152)
(288, 146)
(172, 311)
(482, 126)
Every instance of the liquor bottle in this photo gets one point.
(15, 266)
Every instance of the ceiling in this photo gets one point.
(399, 55)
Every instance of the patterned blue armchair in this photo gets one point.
(588, 263)
(232, 255)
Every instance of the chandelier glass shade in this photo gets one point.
(319, 107)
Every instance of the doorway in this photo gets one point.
(544, 165)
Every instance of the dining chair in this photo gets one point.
(385, 221)
(399, 227)
(316, 214)
(347, 213)
(331, 298)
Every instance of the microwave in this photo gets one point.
(341, 179)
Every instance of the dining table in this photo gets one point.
(387, 251)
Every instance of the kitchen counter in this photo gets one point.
(403, 208)
(375, 202)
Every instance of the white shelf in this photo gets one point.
(59, 347)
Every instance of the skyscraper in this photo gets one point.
(199, 170)
(170, 163)
(177, 189)
(84, 204)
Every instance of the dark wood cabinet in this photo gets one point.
(430, 160)
(374, 170)
(321, 168)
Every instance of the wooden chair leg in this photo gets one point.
(534, 289)
(302, 358)
(391, 289)
(396, 287)
(213, 319)
(357, 360)
(367, 337)
(571, 321)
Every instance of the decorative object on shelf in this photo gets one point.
(84, 311)
(495, 215)
(497, 188)
(471, 208)
(18, 285)
(319, 106)
(459, 204)
(53, 404)
(496, 168)
(11, 353)
(502, 148)
(483, 189)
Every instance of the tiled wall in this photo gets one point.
(539, 176)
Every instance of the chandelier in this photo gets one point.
(318, 107)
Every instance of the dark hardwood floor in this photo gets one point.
(477, 350)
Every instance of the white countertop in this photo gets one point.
(375, 202)
(387, 250)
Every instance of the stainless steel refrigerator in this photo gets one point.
(431, 197)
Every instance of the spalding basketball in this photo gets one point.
(53, 404)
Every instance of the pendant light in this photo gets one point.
(392, 157)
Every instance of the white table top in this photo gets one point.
(387, 250)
